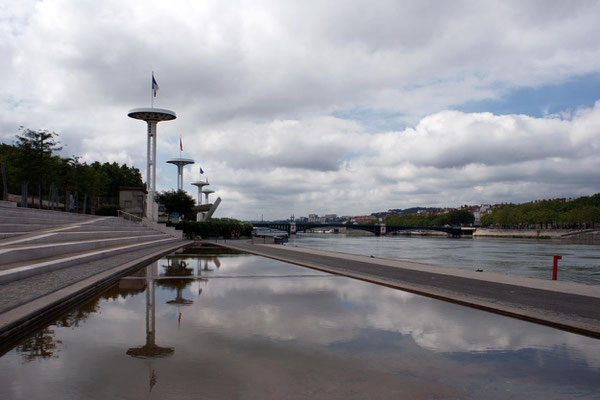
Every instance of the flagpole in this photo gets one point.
(152, 91)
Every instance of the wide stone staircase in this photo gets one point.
(42, 251)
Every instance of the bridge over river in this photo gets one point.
(378, 229)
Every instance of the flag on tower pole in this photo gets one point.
(154, 90)
(180, 144)
(201, 171)
(154, 85)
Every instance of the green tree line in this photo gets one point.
(453, 218)
(32, 159)
(583, 212)
(227, 228)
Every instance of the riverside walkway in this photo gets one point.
(565, 305)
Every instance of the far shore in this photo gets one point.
(585, 235)
(581, 234)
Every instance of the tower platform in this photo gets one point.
(180, 163)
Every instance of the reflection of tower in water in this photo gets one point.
(150, 349)
(177, 268)
(215, 260)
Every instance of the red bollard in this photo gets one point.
(555, 267)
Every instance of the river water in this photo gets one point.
(528, 257)
(235, 326)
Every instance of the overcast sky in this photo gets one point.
(297, 107)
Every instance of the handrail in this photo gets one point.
(128, 217)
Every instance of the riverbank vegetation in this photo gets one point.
(453, 218)
(226, 228)
(580, 213)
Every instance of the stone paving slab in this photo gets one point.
(565, 305)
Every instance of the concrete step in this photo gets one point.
(37, 212)
(110, 228)
(7, 228)
(16, 253)
(16, 271)
(6, 235)
(71, 236)
(12, 212)
(50, 221)
(163, 228)
(115, 221)
(23, 291)
(31, 231)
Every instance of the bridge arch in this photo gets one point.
(377, 229)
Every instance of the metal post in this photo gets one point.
(555, 267)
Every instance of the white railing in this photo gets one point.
(128, 217)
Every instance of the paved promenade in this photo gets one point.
(565, 305)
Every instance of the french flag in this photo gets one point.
(154, 85)
(180, 144)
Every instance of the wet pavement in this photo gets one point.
(236, 326)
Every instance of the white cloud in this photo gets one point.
(448, 158)
(257, 86)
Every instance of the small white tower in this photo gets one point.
(206, 193)
(200, 185)
(180, 162)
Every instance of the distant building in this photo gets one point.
(363, 218)
(330, 217)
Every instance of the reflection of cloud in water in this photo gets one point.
(334, 309)
(245, 265)
(120, 313)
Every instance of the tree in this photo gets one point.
(118, 176)
(487, 220)
(10, 157)
(31, 159)
(461, 217)
(36, 152)
(176, 201)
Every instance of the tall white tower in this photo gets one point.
(152, 116)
